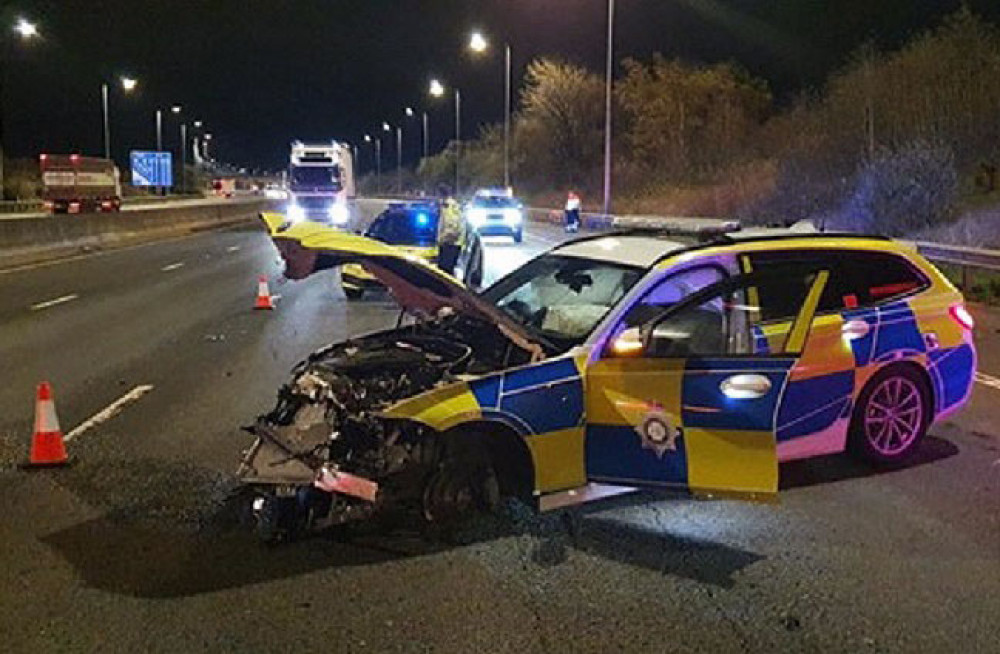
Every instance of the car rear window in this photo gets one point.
(857, 278)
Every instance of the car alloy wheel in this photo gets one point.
(894, 416)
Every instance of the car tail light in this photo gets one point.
(962, 316)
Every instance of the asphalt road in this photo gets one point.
(135, 547)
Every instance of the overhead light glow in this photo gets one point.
(26, 28)
(477, 42)
(436, 88)
(129, 84)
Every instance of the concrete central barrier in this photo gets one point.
(43, 238)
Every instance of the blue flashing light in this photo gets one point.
(423, 219)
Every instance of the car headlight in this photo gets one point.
(296, 214)
(513, 216)
(339, 213)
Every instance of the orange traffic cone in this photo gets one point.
(264, 300)
(47, 447)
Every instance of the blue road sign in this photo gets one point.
(152, 168)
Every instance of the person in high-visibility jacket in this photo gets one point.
(451, 232)
(572, 212)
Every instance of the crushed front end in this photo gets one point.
(326, 455)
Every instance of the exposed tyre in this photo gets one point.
(891, 416)
(518, 236)
(353, 293)
(463, 484)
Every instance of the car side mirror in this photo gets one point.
(629, 343)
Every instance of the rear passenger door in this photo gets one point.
(862, 319)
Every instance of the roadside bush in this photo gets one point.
(902, 192)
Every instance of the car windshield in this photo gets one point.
(495, 202)
(417, 226)
(562, 297)
(318, 176)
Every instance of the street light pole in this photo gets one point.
(183, 157)
(607, 107)
(427, 135)
(506, 118)
(399, 160)
(107, 127)
(479, 44)
(159, 140)
(458, 137)
(378, 164)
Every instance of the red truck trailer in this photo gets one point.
(75, 184)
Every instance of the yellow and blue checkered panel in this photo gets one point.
(719, 444)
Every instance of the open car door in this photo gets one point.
(687, 401)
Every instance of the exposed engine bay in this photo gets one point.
(325, 455)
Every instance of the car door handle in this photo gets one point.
(854, 329)
(745, 387)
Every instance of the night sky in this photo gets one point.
(263, 72)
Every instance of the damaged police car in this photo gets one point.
(606, 364)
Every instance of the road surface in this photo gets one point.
(136, 548)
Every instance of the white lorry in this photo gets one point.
(320, 183)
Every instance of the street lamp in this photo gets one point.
(436, 90)
(197, 124)
(27, 31)
(128, 85)
(25, 28)
(478, 44)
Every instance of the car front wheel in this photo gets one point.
(892, 415)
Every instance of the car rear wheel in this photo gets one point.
(518, 236)
(891, 416)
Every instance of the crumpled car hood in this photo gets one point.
(418, 286)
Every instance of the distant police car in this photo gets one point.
(615, 362)
(413, 229)
(496, 213)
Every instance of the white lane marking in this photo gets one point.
(109, 411)
(988, 380)
(233, 248)
(173, 266)
(52, 303)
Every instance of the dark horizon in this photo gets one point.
(264, 76)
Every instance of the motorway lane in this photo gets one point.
(134, 546)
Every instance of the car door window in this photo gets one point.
(721, 319)
(673, 289)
